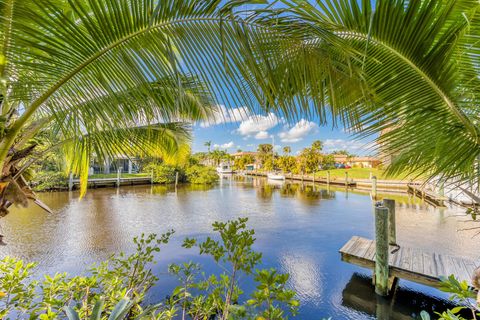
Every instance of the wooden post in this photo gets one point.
(118, 177)
(374, 187)
(70, 182)
(151, 177)
(346, 178)
(392, 230)
(176, 179)
(328, 177)
(314, 177)
(381, 247)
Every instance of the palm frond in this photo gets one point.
(419, 60)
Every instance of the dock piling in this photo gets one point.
(118, 176)
(346, 179)
(70, 182)
(176, 179)
(392, 230)
(381, 247)
(328, 177)
(374, 187)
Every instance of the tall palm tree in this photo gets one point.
(208, 144)
(287, 150)
(420, 66)
(109, 77)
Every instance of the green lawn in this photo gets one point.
(359, 173)
(114, 175)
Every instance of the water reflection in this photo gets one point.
(299, 228)
(359, 295)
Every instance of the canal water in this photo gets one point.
(299, 228)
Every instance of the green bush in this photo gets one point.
(116, 288)
(198, 174)
(49, 180)
(163, 173)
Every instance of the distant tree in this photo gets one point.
(287, 150)
(265, 148)
(343, 152)
(218, 156)
(317, 145)
(286, 163)
(265, 156)
(240, 162)
(310, 159)
(340, 152)
(208, 144)
(328, 161)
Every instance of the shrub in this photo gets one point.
(163, 173)
(198, 174)
(117, 287)
(49, 180)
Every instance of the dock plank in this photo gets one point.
(409, 263)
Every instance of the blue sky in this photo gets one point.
(236, 129)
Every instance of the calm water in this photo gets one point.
(299, 230)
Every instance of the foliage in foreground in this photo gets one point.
(117, 287)
(463, 296)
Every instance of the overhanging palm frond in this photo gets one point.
(168, 141)
(421, 92)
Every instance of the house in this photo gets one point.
(110, 165)
(250, 166)
(361, 162)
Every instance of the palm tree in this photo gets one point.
(287, 150)
(110, 77)
(208, 144)
(419, 62)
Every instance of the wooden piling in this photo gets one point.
(118, 176)
(392, 230)
(176, 179)
(374, 187)
(328, 177)
(151, 177)
(70, 182)
(313, 177)
(381, 247)
(346, 179)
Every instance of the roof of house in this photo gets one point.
(243, 153)
(341, 157)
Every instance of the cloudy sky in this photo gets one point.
(234, 129)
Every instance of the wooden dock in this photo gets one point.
(306, 178)
(410, 264)
(106, 182)
(427, 195)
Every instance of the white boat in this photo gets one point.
(224, 168)
(275, 176)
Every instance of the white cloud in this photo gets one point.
(222, 114)
(227, 145)
(352, 146)
(256, 124)
(262, 135)
(296, 133)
